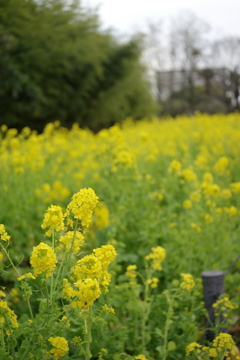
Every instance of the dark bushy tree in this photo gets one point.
(56, 64)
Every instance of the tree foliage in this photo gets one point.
(56, 64)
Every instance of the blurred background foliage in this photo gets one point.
(57, 64)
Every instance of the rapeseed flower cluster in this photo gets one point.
(223, 346)
(3, 234)
(189, 175)
(141, 357)
(122, 158)
(71, 241)
(221, 165)
(90, 277)
(82, 206)
(156, 257)
(101, 216)
(60, 346)
(188, 283)
(187, 204)
(8, 318)
(26, 276)
(224, 343)
(212, 190)
(222, 306)
(107, 310)
(43, 260)
(56, 192)
(153, 282)
(235, 187)
(131, 271)
(196, 227)
(175, 168)
(88, 290)
(194, 347)
(106, 254)
(53, 219)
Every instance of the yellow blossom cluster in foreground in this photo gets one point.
(79, 280)
(223, 346)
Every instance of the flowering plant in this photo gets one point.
(63, 282)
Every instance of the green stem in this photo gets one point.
(136, 324)
(28, 348)
(66, 261)
(145, 316)
(51, 290)
(2, 340)
(14, 267)
(167, 325)
(88, 326)
(10, 341)
(147, 305)
(30, 309)
(74, 235)
(10, 260)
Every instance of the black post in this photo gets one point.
(213, 287)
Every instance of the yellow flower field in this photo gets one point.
(167, 190)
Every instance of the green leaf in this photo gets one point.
(160, 349)
(159, 332)
(171, 346)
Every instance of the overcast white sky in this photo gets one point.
(128, 16)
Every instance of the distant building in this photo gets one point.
(172, 81)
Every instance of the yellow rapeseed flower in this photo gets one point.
(189, 175)
(95, 265)
(212, 190)
(26, 276)
(53, 219)
(235, 187)
(221, 165)
(106, 254)
(187, 204)
(43, 259)
(188, 282)
(153, 282)
(226, 194)
(82, 205)
(175, 168)
(193, 347)
(89, 266)
(71, 240)
(157, 256)
(208, 178)
(101, 216)
(107, 309)
(231, 211)
(196, 227)
(60, 346)
(141, 357)
(195, 196)
(131, 271)
(9, 319)
(3, 234)
(224, 343)
(88, 291)
(222, 305)
(208, 218)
